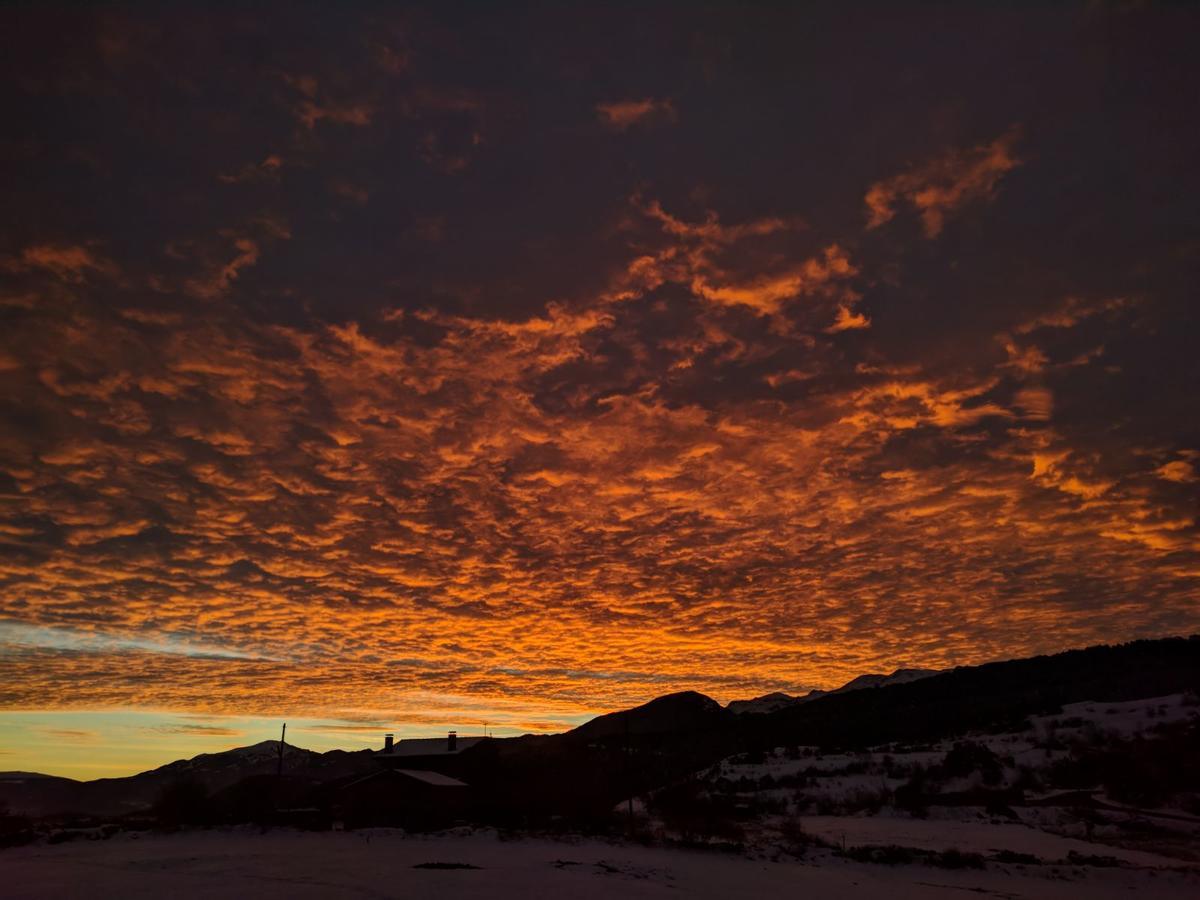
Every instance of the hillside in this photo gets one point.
(991, 696)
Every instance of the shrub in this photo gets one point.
(967, 757)
(957, 859)
(886, 855)
(1023, 859)
(696, 816)
(893, 855)
(912, 798)
(1028, 779)
(1000, 809)
(865, 800)
(795, 840)
(1075, 858)
(14, 830)
(183, 802)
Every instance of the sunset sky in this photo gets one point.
(379, 367)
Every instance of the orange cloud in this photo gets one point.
(1036, 402)
(621, 115)
(310, 109)
(69, 262)
(766, 295)
(1070, 312)
(1178, 470)
(847, 320)
(941, 187)
(1028, 359)
(708, 257)
(266, 170)
(218, 282)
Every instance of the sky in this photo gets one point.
(392, 367)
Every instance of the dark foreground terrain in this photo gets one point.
(377, 863)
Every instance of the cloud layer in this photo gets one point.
(351, 413)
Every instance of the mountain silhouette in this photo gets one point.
(683, 711)
(39, 795)
(778, 700)
(583, 772)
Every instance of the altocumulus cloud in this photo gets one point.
(411, 388)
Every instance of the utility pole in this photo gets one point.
(282, 737)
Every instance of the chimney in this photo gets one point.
(387, 742)
(452, 741)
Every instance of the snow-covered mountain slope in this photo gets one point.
(778, 700)
(766, 703)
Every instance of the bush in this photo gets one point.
(893, 855)
(1028, 779)
(967, 757)
(183, 802)
(912, 797)
(696, 816)
(1023, 859)
(1139, 771)
(957, 859)
(795, 840)
(1075, 858)
(1001, 810)
(867, 800)
(886, 855)
(14, 830)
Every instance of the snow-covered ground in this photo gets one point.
(985, 838)
(382, 863)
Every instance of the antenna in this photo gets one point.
(282, 737)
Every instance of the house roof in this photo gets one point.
(429, 747)
(435, 779)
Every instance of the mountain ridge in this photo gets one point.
(777, 700)
(684, 731)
